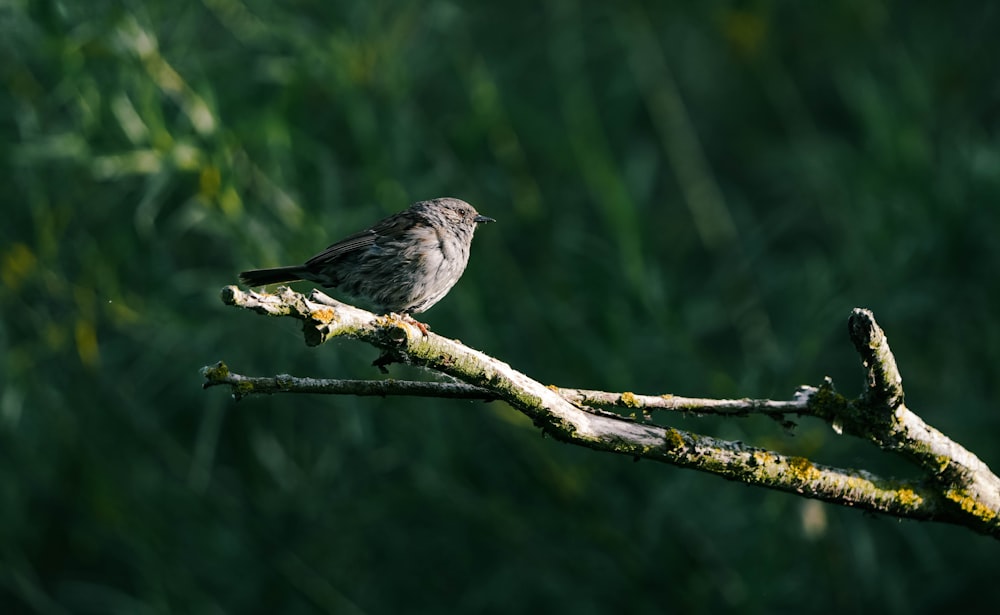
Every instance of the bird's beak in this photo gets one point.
(482, 219)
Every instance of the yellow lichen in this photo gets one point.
(323, 315)
(971, 505)
(219, 371)
(909, 498)
(629, 400)
(803, 468)
(857, 484)
(674, 439)
(243, 388)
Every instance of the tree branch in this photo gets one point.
(959, 489)
(243, 386)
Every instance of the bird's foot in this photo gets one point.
(425, 329)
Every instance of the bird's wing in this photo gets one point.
(393, 226)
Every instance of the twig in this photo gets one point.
(693, 405)
(243, 386)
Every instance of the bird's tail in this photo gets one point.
(263, 277)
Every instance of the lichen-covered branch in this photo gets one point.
(693, 405)
(962, 490)
(219, 374)
(882, 416)
(885, 384)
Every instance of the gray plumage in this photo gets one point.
(404, 264)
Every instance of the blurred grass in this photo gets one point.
(691, 198)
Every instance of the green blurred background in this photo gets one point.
(691, 197)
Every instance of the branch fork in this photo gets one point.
(956, 487)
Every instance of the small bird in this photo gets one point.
(404, 264)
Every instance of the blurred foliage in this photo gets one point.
(691, 198)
